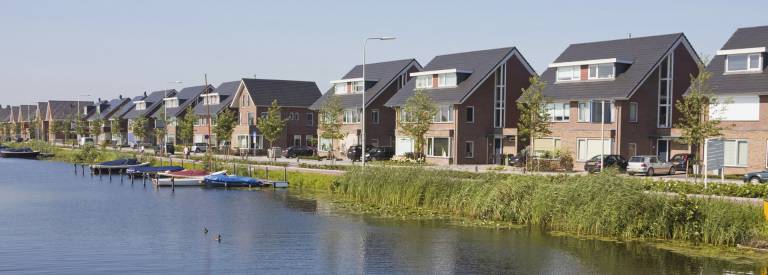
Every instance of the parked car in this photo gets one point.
(617, 161)
(85, 140)
(682, 162)
(649, 166)
(756, 177)
(297, 151)
(517, 161)
(199, 147)
(354, 153)
(380, 153)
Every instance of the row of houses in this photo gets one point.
(612, 97)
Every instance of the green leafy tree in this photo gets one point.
(534, 118)
(139, 128)
(34, 125)
(695, 108)
(417, 116)
(226, 122)
(186, 127)
(272, 125)
(159, 135)
(6, 130)
(17, 129)
(81, 127)
(59, 128)
(331, 113)
(96, 129)
(114, 129)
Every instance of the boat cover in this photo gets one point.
(232, 180)
(153, 169)
(17, 150)
(120, 162)
(189, 173)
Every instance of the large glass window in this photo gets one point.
(446, 80)
(568, 73)
(598, 115)
(251, 119)
(469, 149)
(500, 96)
(375, 116)
(633, 112)
(601, 71)
(665, 93)
(351, 116)
(358, 86)
(559, 111)
(439, 147)
(424, 82)
(744, 62)
(584, 111)
(141, 106)
(470, 114)
(736, 152)
(340, 88)
(588, 148)
(325, 145)
(444, 114)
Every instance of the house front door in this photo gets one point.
(662, 149)
(496, 155)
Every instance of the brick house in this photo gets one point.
(5, 117)
(740, 81)
(252, 100)
(42, 127)
(67, 112)
(27, 115)
(476, 93)
(119, 135)
(146, 107)
(104, 111)
(636, 80)
(384, 79)
(174, 108)
(214, 102)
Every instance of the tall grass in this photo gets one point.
(600, 205)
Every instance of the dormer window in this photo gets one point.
(349, 86)
(141, 105)
(569, 73)
(211, 99)
(424, 82)
(602, 71)
(340, 88)
(358, 87)
(172, 102)
(446, 80)
(743, 62)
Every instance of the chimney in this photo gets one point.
(145, 93)
(120, 96)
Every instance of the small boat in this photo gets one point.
(182, 178)
(117, 166)
(153, 169)
(224, 180)
(26, 153)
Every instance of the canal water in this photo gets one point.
(53, 221)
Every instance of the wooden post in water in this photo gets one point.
(285, 173)
(173, 184)
(266, 172)
(109, 171)
(144, 179)
(90, 168)
(75, 164)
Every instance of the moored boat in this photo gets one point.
(182, 178)
(224, 180)
(116, 166)
(153, 169)
(19, 153)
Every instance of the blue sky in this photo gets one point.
(68, 49)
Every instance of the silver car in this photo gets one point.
(649, 166)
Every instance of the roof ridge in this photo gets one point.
(629, 38)
(476, 51)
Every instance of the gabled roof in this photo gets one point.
(111, 107)
(154, 100)
(288, 93)
(66, 109)
(644, 53)
(385, 74)
(481, 64)
(5, 114)
(14, 113)
(127, 107)
(740, 83)
(27, 113)
(42, 110)
(226, 93)
(187, 97)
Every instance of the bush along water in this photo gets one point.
(595, 205)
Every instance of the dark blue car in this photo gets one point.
(756, 177)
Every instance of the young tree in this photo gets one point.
(59, 128)
(330, 121)
(81, 127)
(114, 129)
(160, 136)
(224, 126)
(695, 108)
(272, 125)
(17, 129)
(33, 127)
(534, 118)
(185, 128)
(139, 128)
(418, 112)
(6, 130)
(96, 129)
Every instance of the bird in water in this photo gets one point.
(205, 230)
(218, 238)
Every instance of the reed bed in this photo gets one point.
(595, 205)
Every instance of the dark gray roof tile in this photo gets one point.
(286, 92)
(740, 83)
(226, 93)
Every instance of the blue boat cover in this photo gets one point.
(232, 180)
(16, 150)
(120, 162)
(153, 169)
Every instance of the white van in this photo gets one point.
(85, 140)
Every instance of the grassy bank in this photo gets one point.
(600, 205)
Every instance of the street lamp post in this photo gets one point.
(362, 115)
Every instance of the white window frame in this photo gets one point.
(424, 82)
(500, 97)
(446, 80)
(295, 138)
(471, 153)
(670, 94)
(358, 86)
(736, 163)
(141, 105)
(430, 147)
(633, 106)
(598, 70)
(340, 88)
(375, 119)
(324, 144)
(310, 119)
(351, 116)
(578, 141)
(563, 107)
(575, 73)
(750, 56)
(585, 114)
(446, 110)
